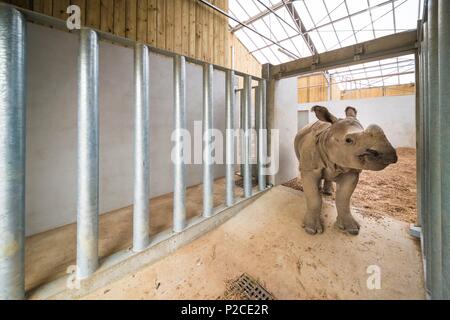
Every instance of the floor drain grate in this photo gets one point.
(250, 288)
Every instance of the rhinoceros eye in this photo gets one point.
(349, 140)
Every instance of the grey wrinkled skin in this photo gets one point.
(337, 150)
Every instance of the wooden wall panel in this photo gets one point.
(59, 9)
(107, 15)
(170, 27)
(183, 26)
(120, 18)
(142, 20)
(161, 24)
(93, 13)
(152, 24)
(131, 19)
(314, 88)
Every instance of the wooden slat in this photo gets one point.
(218, 42)
(119, 17)
(22, 3)
(131, 19)
(211, 40)
(185, 27)
(205, 34)
(60, 8)
(93, 13)
(170, 28)
(192, 28)
(151, 24)
(82, 5)
(47, 7)
(161, 24)
(199, 30)
(107, 15)
(178, 26)
(142, 18)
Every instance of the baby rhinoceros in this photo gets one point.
(333, 149)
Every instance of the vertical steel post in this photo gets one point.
(179, 194)
(242, 127)
(426, 163)
(247, 136)
(229, 142)
(262, 137)
(444, 106)
(88, 155)
(208, 166)
(141, 219)
(418, 88)
(434, 142)
(12, 152)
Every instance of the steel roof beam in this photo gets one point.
(381, 48)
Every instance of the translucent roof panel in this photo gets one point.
(275, 31)
(392, 71)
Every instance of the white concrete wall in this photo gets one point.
(396, 115)
(285, 120)
(51, 126)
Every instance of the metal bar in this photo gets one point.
(301, 27)
(444, 95)
(12, 152)
(426, 166)
(259, 16)
(282, 23)
(242, 127)
(370, 8)
(179, 194)
(418, 88)
(88, 155)
(141, 219)
(270, 115)
(262, 137)
(384, 47)
(434, 151)
(215, 8)
(208, 166)
(251, 38)
(247, 136)
(49, 21)
(229, 142)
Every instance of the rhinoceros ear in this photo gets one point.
(351, 112)
(323, 114)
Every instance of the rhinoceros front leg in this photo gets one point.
(311, 221)
(346, 184)
(327, 188)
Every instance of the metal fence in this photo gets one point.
(434, 146)
(13, 43)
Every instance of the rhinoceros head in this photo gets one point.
(349, 145)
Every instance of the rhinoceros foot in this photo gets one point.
(312, 224)
(348, 224)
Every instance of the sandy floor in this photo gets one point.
(389, 192)
(266, 241)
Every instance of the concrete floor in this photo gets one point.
(49, 254)
(266, 241)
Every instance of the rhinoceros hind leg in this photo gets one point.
(312, 222)
(346, 184)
